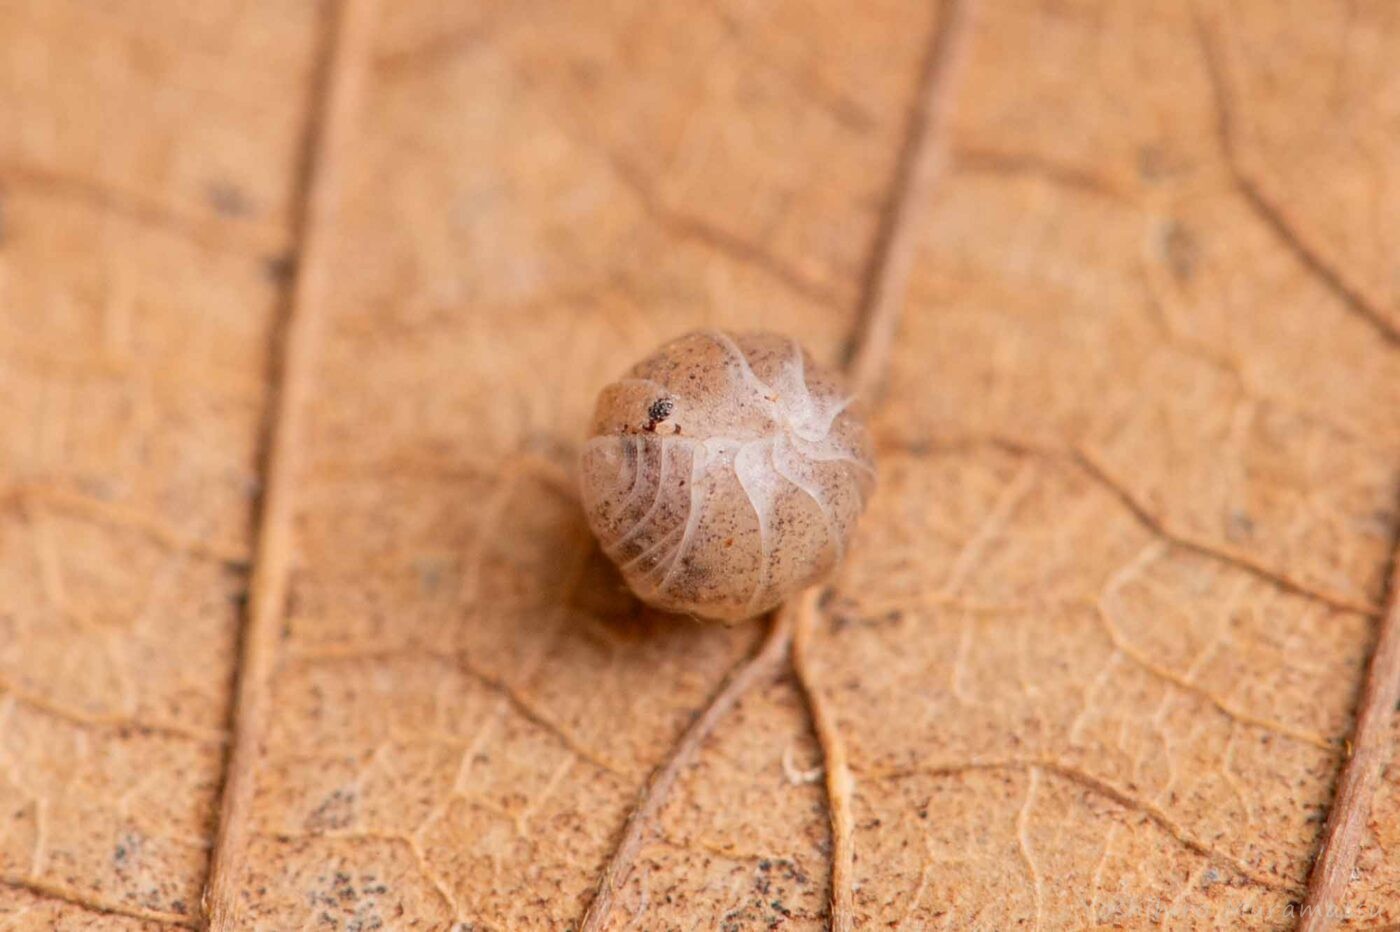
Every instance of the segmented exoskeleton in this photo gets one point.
(724, 473)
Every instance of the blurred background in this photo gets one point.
(303, 307)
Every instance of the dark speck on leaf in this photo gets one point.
(1154, 163)
(1181, 251)
(1239, 526)
(279, 269)
(228, 200)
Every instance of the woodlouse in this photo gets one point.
(725, 472)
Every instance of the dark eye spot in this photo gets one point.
(660, 409)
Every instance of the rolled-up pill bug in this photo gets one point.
(725, 472)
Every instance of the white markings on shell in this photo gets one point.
(746, 491)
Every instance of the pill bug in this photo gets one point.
(725, 472)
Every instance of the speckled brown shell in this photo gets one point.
(724, 473)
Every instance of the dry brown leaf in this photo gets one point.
(1095, 657)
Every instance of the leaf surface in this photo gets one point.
(1094, 654)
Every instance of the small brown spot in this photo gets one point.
(228, 199)
(1156, 163)
(586, 73)
(1181, 250)
(279, 269)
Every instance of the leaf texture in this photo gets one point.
(347, 277)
